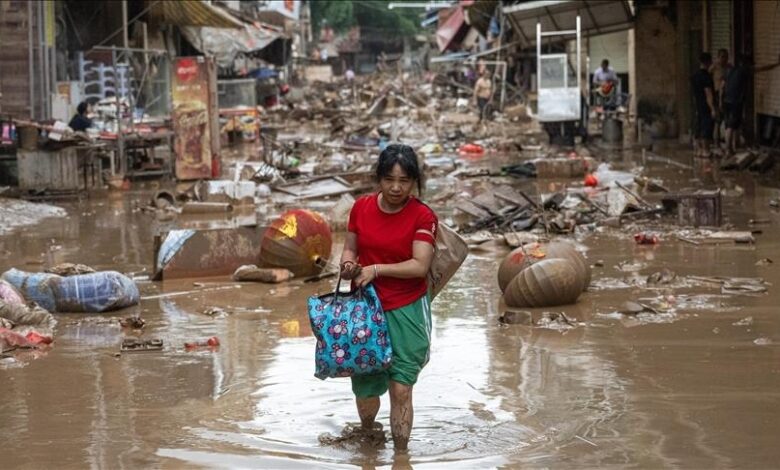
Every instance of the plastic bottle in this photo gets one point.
(212, 342)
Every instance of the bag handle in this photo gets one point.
(338, 284)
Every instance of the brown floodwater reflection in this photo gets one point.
(691, 387)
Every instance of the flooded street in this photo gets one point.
(694, 386)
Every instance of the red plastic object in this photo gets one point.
(212, 342)
(474, 149)
(10, 340)
(37, 338)
(591, 180)
(646, 239)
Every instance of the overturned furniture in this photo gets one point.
(299, 241)
(696, 208)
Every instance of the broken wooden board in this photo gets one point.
(472, 209)
(717, 238)
(517, 239)
(318, 187)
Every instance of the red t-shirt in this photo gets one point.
(384, 238)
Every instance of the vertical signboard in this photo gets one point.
(191, 118)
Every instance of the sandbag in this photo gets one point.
(92, 293)
(9, 294)
(27, 315)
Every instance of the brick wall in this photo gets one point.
(14, 59)
(767, 50)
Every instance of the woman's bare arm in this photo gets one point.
(415, 267)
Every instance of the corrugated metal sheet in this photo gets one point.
(15, 79)
(720, 29)
(225, 44)
(596, 16)
(767, 49)
(448, 32)
(49, 170)
(198, 13)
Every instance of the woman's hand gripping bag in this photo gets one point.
(351, 332)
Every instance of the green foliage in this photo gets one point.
(339, 14)
(370, 15)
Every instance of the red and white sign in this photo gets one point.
(186, 69)
(288, 8)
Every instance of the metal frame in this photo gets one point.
(118, 56)
(539, 56)
(548, 9)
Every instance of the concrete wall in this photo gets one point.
(656, 52)
(613, 46)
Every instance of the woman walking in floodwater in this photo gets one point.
(390, 243)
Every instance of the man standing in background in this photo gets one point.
(483, 91)
(720, 69)
(703, 95)
(735, 92)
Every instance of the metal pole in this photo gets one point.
(124, 24)
(120, 143)
(503, 86)
(538, 56)
(579, 76)
(44, 72)
(30, 68)
(53, 50)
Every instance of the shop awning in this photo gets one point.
(198, 13)
(452, 30)
(225, 43)
(596, 17)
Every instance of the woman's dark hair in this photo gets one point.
(405, 157)
(82, 107)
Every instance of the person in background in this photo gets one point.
(735, 92)
(604, 74)
(390, 243)
(605, 82)
(483, 92)
(80, 121)
(720, 69)
(704, 97)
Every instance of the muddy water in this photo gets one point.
(685, 388)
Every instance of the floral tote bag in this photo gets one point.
(351, 332)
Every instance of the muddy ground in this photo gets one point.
(695, 387)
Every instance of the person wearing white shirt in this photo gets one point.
(605, 73)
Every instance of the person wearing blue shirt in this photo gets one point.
(80, 121)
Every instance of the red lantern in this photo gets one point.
(300, 240)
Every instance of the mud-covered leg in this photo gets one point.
(367, 410)
(401, 414)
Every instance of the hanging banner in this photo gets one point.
(288, 8)
(191, 118)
